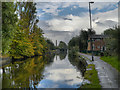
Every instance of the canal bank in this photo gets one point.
(108, 76)
(91, 75)
(6, 59)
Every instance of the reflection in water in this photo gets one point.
(62, 54)
(23, 73)
(42, 72)
(61, 74)
(79, 63)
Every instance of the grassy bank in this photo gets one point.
(92, 76)
(112, 60)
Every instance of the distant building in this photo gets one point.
(97, 42)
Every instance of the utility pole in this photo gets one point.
(91, 29)
(56, 43)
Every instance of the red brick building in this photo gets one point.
(97, 43)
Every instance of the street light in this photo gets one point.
(91, 28)
(90, 15)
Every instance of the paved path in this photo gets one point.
(108, 75)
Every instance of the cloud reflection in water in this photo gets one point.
(61, 74)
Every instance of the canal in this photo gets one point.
(55, 71)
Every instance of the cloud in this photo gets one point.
(105, 20)
(99, 5)
(48, 7)
(56, 7)
(107, 23)
(71, 24)
(59, 35)
(65, 27)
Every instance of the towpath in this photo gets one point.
(108, 75)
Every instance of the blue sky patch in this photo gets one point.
(105, 9)
(71, 10)
(74, 10)
(46, 16)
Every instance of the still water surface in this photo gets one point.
(38, 72)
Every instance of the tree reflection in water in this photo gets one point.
(80, 63)
(25, 73)
(62, 54)
(29, 73)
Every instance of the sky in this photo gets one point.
(63, 20)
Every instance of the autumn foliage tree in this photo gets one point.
(21, 35)
(9, 19)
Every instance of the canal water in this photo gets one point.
(55, 71)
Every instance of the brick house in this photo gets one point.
(97, 42)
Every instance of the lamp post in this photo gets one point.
(91, 28)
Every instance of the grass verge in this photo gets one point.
(112, 60)
(86, 58)
(92, 76)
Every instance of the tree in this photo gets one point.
(62, 46)
(37, 40)
(112, 47)
(28, 39)
(50, 44)
(21, 35)
(90, 32)
(84, 38)
(21, 45)
(73, 42)
(81, 40)
(9, 19)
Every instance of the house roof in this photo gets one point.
(98, 36)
